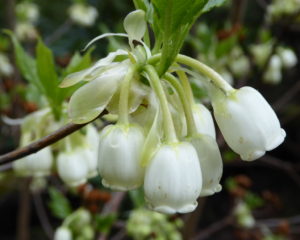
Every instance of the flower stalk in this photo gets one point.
(168, 124)
(124, 96)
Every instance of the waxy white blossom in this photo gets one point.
(92, 98)
(288, 57)
(203, 120)
(210, 161)
(82, 14)
(38, 164)
(119, 157)
(90, 150)
(63, 233)
(273, 73)
(72, 167)
(6, 69)
(27, 12)
(248, 123)
(173, 179)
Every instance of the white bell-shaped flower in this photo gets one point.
(288, 57)
(63, 233)
(248, 123)
(84, 15)
(211, 163)
(273, 73)
(203, 120)
(119, 157)
(38, 164)
(72, 167)
(173, 179)
(91, 150)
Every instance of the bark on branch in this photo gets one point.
(42, 143)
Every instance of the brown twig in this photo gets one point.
(24, 211)
(272, 162)
(287, 96)
(42, 215)
(112, 207)
(42, 143)
(217, 226)
(274, 222)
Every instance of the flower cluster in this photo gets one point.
(163, 140)
(280, 10)
(74, 158)
(27, 15)
(275, 60)
(78, 225)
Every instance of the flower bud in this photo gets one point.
(248, 123)
(83, 15)
(6, 69)
(63, 233)
(211, 163)
(288, 57)
(119, 157)
(72, 167)
(203, 120)
(243, 214)
(273, 73)
(173, 179)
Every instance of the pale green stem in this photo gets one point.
(68, 145)
(124, 96)
(168, 124)
(191, 126)
(216, 78)
(186, 86)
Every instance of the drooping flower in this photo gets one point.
(173, 179)
(27, 12)
(119, 157)
(6, 69)
(210, 162)
(83, 15)
(247, 122)
(203, 120)
(37, 164)
(90, 150)
(243, 215)
(288, 57)
(63, 233)
(72, 168)
(273, 73)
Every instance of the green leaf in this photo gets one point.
(172, 21)
(77, 63)
(253, 200)
(146, 7)
(59, 204)
(25, 62)
(104, 223)
(47, 75)
(212, 4)
(137, 197)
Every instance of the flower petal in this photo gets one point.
(91, 99)
(104, 36)
(135, 25)
(99, 66)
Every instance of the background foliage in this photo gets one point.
(265, 191)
